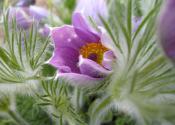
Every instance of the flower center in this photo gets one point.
(93, 51)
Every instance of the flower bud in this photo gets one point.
(166, 29)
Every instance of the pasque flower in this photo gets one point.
(80, 55)
(26, 14)
(166, 29)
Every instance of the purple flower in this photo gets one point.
(93, 8)
(166, 29)
(79, 54)
(26, 15)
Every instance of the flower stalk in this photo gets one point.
(16, 117)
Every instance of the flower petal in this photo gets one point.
(83, 30)
(79, 79)
(78, 21)
(21, 15)
(108, 59)
(44, 31)
(166, 30)
(66, 37)
(107, 41)
(38, 13)
(136, 21)
(93, 8)
(93, 69)
(65, 58)
(64, 69)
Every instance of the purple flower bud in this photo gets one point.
(166, 29)
(26, 16)
(22, 17)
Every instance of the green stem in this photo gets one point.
(17, 118)
(61, 120)
(77, 98)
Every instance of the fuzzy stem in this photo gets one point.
(17, 118)
(77, 98)
(61, 120)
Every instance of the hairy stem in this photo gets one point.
(17, 118)
(61, 120)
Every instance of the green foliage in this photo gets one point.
(124, 121)
(65, 9)
(4, 121)
(35, 115)
(137, 10)
(21, 56)
(1, 5)
(70, 4)
(56, 95)
(4, 103)
(142, 78)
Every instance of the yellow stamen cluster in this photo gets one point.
(93, 48)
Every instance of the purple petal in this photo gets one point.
(38, 13)
(78, 21)
(87, 35)
(91, 68)
(66, 37)
(108, 59)
(45, 31)
(65, 57)
(64, 69)
(170, 3)
(22, 17)
(83, 29)
(93, 8)
(79, 79)
(136, 21)
(108, 42)
(109, 55)
(167, 28)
